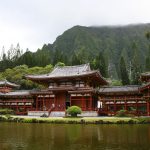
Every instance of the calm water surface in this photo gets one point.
(15, 136)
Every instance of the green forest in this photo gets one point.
(121, 53)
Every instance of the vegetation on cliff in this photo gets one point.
(119, 52)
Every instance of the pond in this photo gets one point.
(19, 136)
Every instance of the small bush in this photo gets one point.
(120, 122)
(6, 111)
(131, 121)
(144, 120)
(99, 122)
(74, 111)
(2, 118)
(122, 113)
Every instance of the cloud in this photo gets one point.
(35, 22)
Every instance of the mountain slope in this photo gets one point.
(83, 44)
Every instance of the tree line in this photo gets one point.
(122, 59)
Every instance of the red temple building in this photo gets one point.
(19, 101)
(6, 86)
(76, 85)
(145, 90)
(135, 99)
(117, 98)
(68, 86)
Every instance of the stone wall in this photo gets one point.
(61, 113)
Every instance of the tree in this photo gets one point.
(60, 64)
(147, 64)
(100, 64)
(136, 66)
(112, 71)
(57, 56)
(123, 72)
(147, 61)
(75, 60)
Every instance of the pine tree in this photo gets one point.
(75, 60)
(136, 66)
(101, 65)
(147, 62)
(123, 72)
(3, 55)
(112, 71)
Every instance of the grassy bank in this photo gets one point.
(84, 120)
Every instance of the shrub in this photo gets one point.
(144, 120)
(122, 113)
(6, 111)
(74, 111)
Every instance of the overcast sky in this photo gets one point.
(31, 23)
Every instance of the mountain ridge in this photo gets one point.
(82, 44)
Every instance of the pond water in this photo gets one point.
(19, 136)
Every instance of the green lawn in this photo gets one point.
(78, 120)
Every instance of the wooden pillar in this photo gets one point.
(148, 108)
(43, 108)
(70, 99)
(37, 103)
(125, 106)
(17, 107)
(136, 107)
(114, 105)
(55, 101)
(82, 102)
(90, 101)
(89, 106)
(24, 105)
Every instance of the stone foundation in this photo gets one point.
(57, 114)
(37, 113)
(61, 113)
(52, 114)
(89, 114)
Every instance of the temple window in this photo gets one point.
(80, 84)
(66, 83)
(52, 85)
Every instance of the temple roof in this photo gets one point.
(65, 71)
(68, 72)
(7, 83)
(145, 77)
(144, 86)
(146, 74)
(119, 89)
(18, 93)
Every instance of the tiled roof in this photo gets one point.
(7, 83)
(65, 71)
(69, 72)
(145, 74)
(117, 89)
(16, 93)
(145, 86)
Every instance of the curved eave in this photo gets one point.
(145, 75)
(118, 90)
(101, 80)
(95, 74)
(15, 96)
(144, 87)
(82, 91)
(119, 93)
(10, 85)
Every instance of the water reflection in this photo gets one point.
(15, 136)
